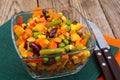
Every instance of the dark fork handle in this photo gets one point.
(113, 65)
(103, 65)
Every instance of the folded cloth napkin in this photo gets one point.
(11, 67)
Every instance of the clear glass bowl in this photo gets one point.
(76, 59)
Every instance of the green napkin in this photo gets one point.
(11, 67)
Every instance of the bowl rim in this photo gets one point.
(35, 57)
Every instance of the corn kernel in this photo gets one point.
(31, 39)
(60, 14)
(42, 36)
(74, 57)
(23, 25)
(84, 47)
(33, 64)
(46, 41)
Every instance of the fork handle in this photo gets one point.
(113, 65)
(103, 65)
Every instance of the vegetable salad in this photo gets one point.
(50, 37)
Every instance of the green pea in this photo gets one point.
(66, 41)
(80, 32)
(35, 34)
(67, 48)
(47, 15)
(61, 45)
(45, 60)
(68, 28)
(58, 58)
(68, 22)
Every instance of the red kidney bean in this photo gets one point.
(35, 47)
(52, 32)
(25, 46)
(44, 11)
(74, 22)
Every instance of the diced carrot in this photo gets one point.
(58, 40)
(18, 30)
(29, 54)
(52, 14)
(29, 27)
(52, 44)
(28, 32)
(63, 31)
(37, 41)
(42, 19)
(42, 43)
(38, 12)
(25, 36)
(78, 43)
(72, 32)
(83, 41)
(58, 31)
(65, 57)
(31, 22)
(19, 41)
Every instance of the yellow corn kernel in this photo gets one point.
(76, 26)
(42, 36)
(31, 39)
(75, 58)
(87, 52)
(60, 14)
(84, 47)
(33, 64)
(23, 25)
(46, 41)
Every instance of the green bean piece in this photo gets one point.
(62, 45)
(87, 36)
(53, 23)
(67, 48)
(51, 51)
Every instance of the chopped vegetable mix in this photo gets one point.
(48, 33)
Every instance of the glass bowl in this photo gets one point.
(52, 42)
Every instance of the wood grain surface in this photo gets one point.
(10, 7)
(105, 13)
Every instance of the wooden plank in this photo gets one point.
(61, 3)
(112, 11)
(92, 10)
(45, 3)
(10, 7)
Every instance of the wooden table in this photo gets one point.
(105, 13)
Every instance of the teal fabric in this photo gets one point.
(11, 67)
